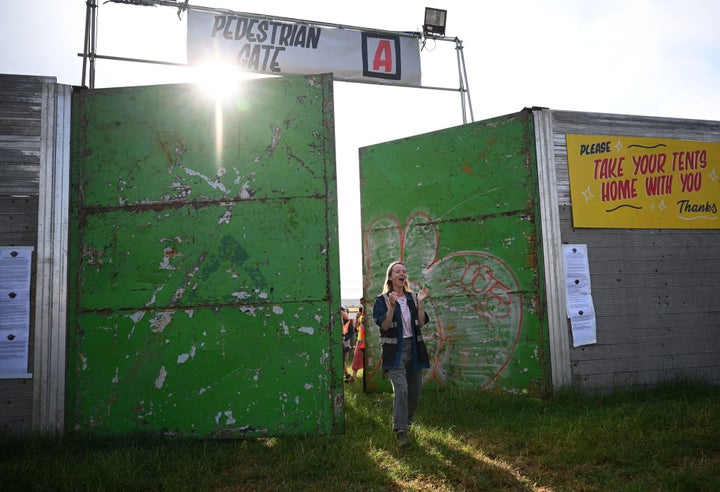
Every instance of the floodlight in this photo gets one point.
(434, 21)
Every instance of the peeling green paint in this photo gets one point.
(204, 262)
(460, 208)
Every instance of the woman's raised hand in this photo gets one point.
(423, 294)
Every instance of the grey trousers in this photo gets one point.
(406, 385)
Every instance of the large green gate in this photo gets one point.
(204, 261)
(460, 208)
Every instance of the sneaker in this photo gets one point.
(403, 439)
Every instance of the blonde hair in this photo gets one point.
(388, 283)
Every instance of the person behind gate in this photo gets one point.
(400, 314)
(348, 333)
(359, 356)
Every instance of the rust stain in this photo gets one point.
(93, 256)
(164, 149)
(276, 134)
(170, 252)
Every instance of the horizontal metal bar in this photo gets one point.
(137, 60)
(452, 89)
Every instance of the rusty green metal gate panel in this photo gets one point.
(204, 262)
(460, 208)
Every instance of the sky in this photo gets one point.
(640, 57)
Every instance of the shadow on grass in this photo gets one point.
(667, 438)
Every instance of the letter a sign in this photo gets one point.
(261, 45)
(381, 56)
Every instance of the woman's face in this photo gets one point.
(398, 274)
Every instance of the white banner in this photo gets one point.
(274, 47)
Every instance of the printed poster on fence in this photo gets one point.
(15, 266)
(644, 183)
(578, 295)
(275, 47)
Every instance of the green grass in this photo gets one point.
(661, 439)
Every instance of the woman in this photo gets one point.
(400, 314)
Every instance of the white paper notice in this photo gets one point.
(579, 303)
(15, 265)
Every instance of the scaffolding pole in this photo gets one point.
(90, 44)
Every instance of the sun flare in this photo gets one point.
(220, 80)
(223, 83)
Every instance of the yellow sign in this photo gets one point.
(650, 183)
